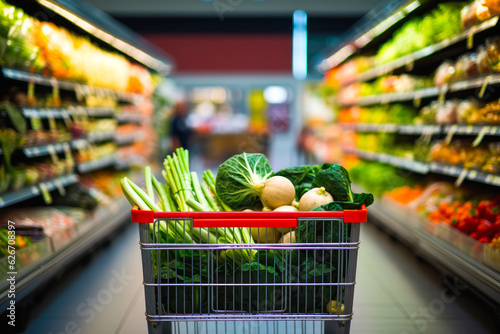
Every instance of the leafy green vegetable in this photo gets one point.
(335, 179)
(240, 180)
(302, 178)
(358, 199)
(270, 267)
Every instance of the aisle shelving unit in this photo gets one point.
(86, 237)
(425, 168)
(448, 258)
(406, 226)
(16, 74)
(17, 196)
(101, 223)
(428, 92)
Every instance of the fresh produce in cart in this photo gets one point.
(246, 182)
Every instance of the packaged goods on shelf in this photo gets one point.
(483, 61)
(478, 11)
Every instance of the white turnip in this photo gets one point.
(314, 198)
(277, 191)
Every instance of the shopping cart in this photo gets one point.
(217, 283)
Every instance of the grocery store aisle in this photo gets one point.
(396, 293)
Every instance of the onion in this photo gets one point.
(287, 238)
(314, 198)
(277, 191)
(285, 208)
(265, 235)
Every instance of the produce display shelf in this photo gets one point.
(21, 195)
(445, 257)
(415, 166)
(429, 129)
(424, 168)
(90, 166)
(469, 174)
(101, 136)
(418, 94)
(45, 113)
(42, 150)
(21, 75)
(103, 223)
(408, 60)
(128, 138)
(100, 111)
(461, 129)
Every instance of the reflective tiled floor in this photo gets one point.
(395, 293)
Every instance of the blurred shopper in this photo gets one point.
(179, 130)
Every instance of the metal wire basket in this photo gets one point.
(311, 279)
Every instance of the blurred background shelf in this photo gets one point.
(16, 74)
(24, 194)
(447, 258)
(54, 262)
(90, 166)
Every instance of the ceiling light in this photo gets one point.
(130, 50)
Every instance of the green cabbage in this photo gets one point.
(240, 180)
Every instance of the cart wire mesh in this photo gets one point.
(218, 284)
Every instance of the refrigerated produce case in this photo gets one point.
(413, 88)
(77, 116)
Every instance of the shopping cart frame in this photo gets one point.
(158, 322)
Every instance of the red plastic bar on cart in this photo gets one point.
(248, 219)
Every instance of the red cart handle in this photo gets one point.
(248, 218)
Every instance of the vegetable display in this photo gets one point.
(246, 182)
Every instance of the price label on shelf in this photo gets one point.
(36, 123)
(60, 187)
(79, 92)
(484, 85)
(52, 152)
(45, 193)
(52, 122)
(461, 177)
(470, 37)
(410, 65)
(450, 134)
(442, 93)
(480, 136)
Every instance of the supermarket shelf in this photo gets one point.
(469, 174)
(101, 136)
(21, 75)
(104, 222)
(472, 129)
(446, 257)
(425, 168)
(129, 118)
(38, 151)
(408, 60)
(456, 86)
(128, 138)
(379, 21)
(17, 196)
(45, 113)
(415, 166)
(99, 111)
(97, 164)
(429, 129)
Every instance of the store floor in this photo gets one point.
(395, 293)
